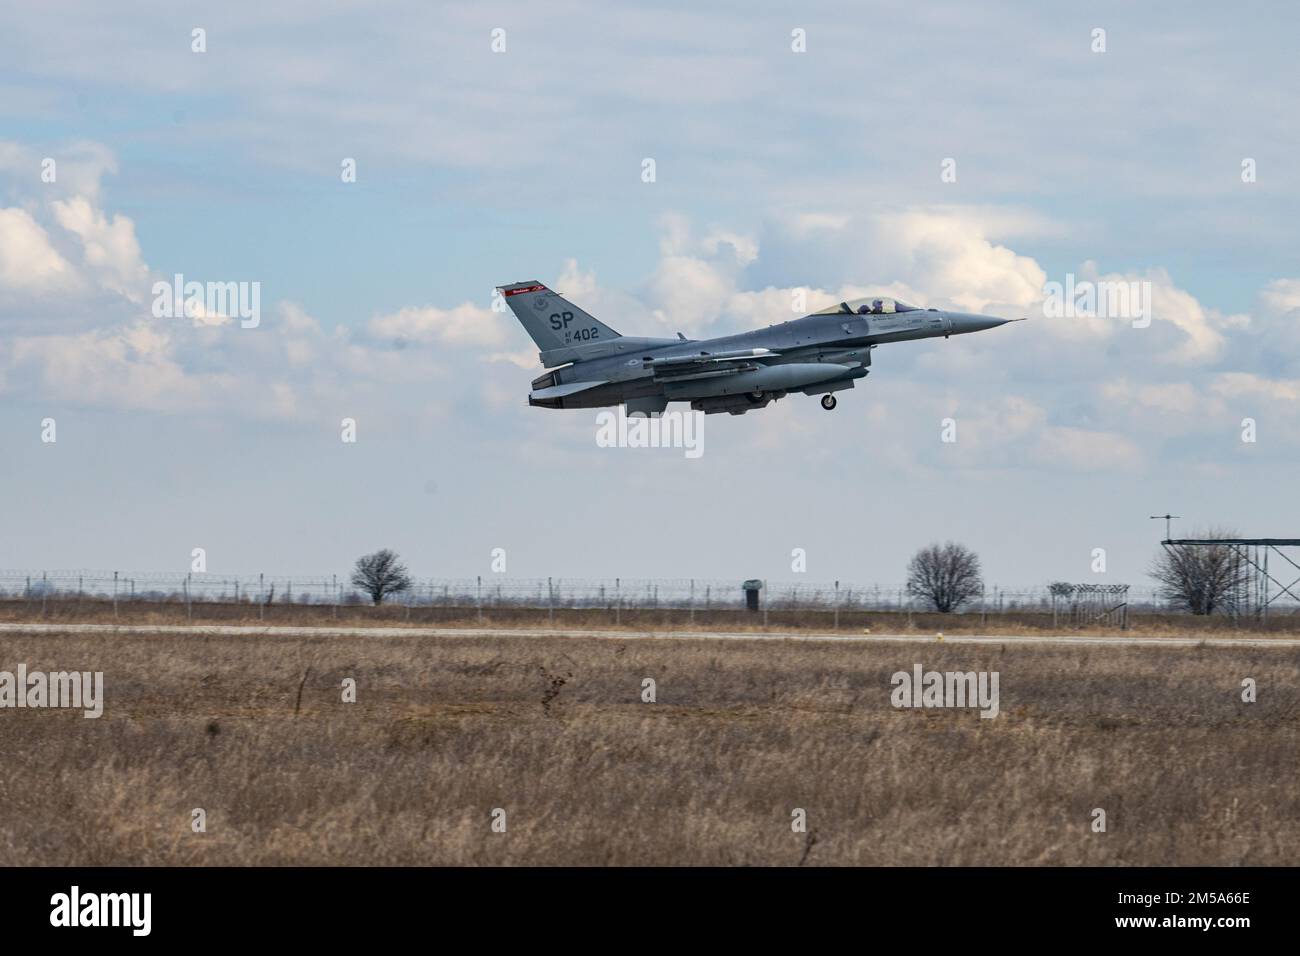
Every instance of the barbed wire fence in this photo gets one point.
(502, 592)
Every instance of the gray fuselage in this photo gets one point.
(841, 341)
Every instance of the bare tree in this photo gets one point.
(946, 575)
(380, 574)
(1202, 578)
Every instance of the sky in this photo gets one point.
(953, 155)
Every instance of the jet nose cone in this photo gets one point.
(973, 322)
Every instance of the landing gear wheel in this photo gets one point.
(829, 402)
(755, 397)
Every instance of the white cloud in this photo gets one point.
(78, 169)
(1202, 340)
(28, 262)
(949, 253)
(1250, 385)
(133, 367)
(744, 249)
(111, 250)
(1079, 449)
(689, 292)
(805, 224)
(1175, 397)
(465, 324)
(84, 265)
(1281, 296)
(291, 367)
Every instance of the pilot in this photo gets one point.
(877, 307)
(864, 309)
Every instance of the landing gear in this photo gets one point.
(754, 397)
(829, 402)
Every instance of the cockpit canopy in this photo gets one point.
(873, 305)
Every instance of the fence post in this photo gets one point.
(261, 594)
(692, 602)
(618, 602)
(189, 610)
(550, 604)
(115, 595)
(837, 605)
(765, 597)
(479, 599)
(44, 587)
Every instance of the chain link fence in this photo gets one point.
(506, 592)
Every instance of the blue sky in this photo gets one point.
(774, 170)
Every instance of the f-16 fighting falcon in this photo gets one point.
(820, 354)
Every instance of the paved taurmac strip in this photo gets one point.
(255, 630)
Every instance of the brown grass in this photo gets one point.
(1019, 622)
(553, 730)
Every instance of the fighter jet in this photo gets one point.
(593, 366)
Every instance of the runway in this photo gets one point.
(271, 631)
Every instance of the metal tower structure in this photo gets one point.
(1258, 588)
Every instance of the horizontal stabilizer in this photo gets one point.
(559, 391)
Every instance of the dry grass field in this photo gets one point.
(71, 610)
(553, 730)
